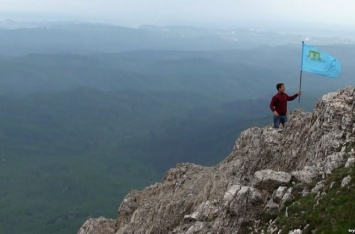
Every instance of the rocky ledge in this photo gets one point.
(264, 170)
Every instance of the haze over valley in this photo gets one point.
(91, 110)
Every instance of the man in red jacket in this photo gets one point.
(278, 105)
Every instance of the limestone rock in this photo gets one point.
(296, 231)
(271, 205)
(318, 187)
(279, 193)
(98, 226)
(333, 162)
(287, 195)
(345, 181)
(350, 161)
(220, 199)
(271, 180)
(306, 175)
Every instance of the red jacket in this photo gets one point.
(279, 102)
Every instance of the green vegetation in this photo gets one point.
(333, 212)
(67, 156)
(77, 132)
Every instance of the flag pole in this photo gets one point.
(299, 97)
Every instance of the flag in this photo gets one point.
(318, 62)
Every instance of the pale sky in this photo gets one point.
(222, 13)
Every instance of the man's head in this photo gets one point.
(280, 87)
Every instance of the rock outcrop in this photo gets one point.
(260, 173)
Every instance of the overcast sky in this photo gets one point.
(220, 13)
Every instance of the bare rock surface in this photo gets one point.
(258, 174)
(98, 226)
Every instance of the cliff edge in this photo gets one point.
(265, 169)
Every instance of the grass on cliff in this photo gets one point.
(333, 212)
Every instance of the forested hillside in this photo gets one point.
(77, 132)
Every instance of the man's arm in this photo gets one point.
(290, 98)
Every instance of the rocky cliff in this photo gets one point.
(265, 169)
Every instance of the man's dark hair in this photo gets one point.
(279, 85)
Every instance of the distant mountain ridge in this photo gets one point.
(232, 74)
(73, 110)
(19, 38)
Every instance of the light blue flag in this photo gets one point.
(318, 62)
